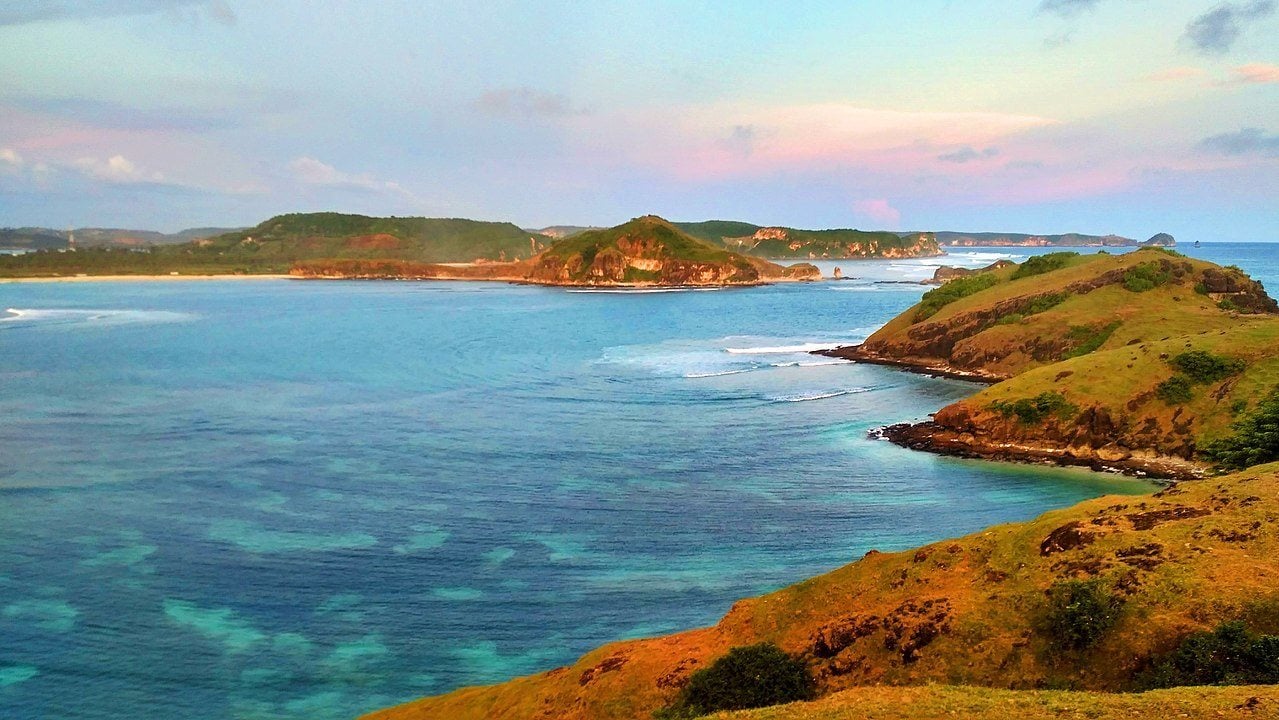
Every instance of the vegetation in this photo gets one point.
(1228, 655)
(1040, 264)
(1176, 390)
(1255, 439)
(1033, 411)
(937, 298)
(753, 676)
(1079, 614)
(1206, 368)
(1088, 339)
(785, 242)
(1145, 277)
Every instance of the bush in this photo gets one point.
(1088, 338)
(938, 298)
(1229, 655)
(751, 676)
(1205, 368)
(1256, 439)
(1079, 614)
(1176, 390)
(1032, 411)
(1146, 276)
(1041, 264)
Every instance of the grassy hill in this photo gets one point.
(38, 238)
(784, 242)
(1100, 355)
(276, 245)
(983, 610)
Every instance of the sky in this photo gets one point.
(1098, 116)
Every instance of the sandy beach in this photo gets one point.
(139, 278)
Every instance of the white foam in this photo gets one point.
(821, 396)
(696, 375)
(103, 317)
(784, 349)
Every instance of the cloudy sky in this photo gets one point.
(1125, 116)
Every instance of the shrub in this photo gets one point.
(1032, 411)
(1041, 264)
(1079, 614)
(1229, 655)
(1205, 368)
(751, 676)
(1176, 390)
(1087, 338)
(1255, 440)
(1146, 276)
(938, 298)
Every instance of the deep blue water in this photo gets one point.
(280, 499)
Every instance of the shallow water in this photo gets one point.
(279, 499)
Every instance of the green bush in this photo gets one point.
(1146, 276)
(1205, 368)
(1079, 614)
(1229, 655)
(1176, 390)
(751, 676)
(1041, 264)
(1255, 440)
(937, 298)
(1088, 338)
(1032, 411)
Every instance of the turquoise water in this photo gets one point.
(280, 499)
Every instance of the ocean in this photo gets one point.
(291, 499)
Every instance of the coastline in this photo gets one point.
(856, 353)
(138, 278)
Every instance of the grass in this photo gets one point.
(834, 243)
(937, 298)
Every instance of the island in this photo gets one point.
(1151, 359)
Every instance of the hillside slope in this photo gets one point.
(962, 239)
(792, 243)
(970, 611)
(1098, 355)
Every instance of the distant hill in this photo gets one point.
(559, 232)
(792, 243)
(645, 251)
(39, 238)
(949, 238)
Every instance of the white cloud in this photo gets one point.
(310, 171)
(10, 160)
(116, 169)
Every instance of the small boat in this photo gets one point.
(1196, 243)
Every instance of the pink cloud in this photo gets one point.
(1259, 73)
(879, 211)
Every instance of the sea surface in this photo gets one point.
(290, 499)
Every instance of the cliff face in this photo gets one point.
(1067, 240)
(793, 243)
(964, 612)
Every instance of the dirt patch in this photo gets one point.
(1153, 518)
(1070, 536)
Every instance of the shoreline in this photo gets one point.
(855, 354)
(138, 278)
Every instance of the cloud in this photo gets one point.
(1248, 141)
(10, 157)
(1258, 73)
(116, 169)
(1066, 7)
(879, 211)
(23, 13)
(741, 141)
(1216, 31)
(310, 171)
(968, 154)
(523, 102)
(1174, 74)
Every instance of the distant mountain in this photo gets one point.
(793, 243)
(559, 232)
(962, 239)
(39, 238)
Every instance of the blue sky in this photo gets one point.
(1125, 116)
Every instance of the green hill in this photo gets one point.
(276, 245)
(964, 239)
(784, 242)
